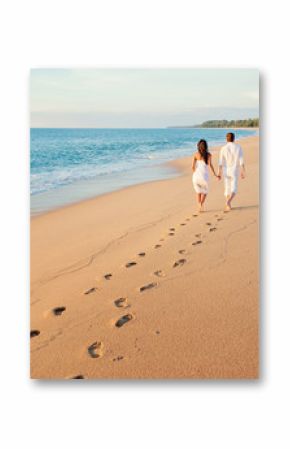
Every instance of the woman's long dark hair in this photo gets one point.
(203, 150)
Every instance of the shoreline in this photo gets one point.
(166, 176)
(187, 284)
(176, 164)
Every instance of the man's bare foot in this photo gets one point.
(227, 207)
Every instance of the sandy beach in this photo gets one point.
(134, 284)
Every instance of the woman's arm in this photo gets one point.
(212, 167)
(193, 163)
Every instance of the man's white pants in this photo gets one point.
(231, 184)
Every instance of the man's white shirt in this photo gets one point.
(231, 158)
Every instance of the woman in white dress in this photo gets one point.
(202, 159)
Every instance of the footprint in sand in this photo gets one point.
(90, 290)
(121, 302)
(78, 376)
(58, 311)
(95, 350)
(123, 320)
(198, 242)
(130, 264)
(187, 219)
(179, 263)
(195, 215)
(219, 219)
(159, 273)
(34, 333)
(108, 276)
(197, 236)
(161, 240)
(118, 358)
(171, 229)
(157, 246)
(182, 251)
(171, 233)
(148, 286)
(212, 229)
(182, 224)
(142, 254)
(208, 223)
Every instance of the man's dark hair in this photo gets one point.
(230, 137)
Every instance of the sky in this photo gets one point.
(140, 98)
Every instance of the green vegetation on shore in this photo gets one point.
(246, 123)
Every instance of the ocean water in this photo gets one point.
(68, 165)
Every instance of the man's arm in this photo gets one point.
(242, 164)
(221, 157)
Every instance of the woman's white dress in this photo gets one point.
(200, 177)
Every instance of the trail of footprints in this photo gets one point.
(96, 349)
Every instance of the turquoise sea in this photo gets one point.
(69, 165)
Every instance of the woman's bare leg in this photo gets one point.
(202, 200)
(198, 199)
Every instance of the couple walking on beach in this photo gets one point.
(230, 162)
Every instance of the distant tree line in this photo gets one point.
(247, 123)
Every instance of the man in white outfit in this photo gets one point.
(231, 162)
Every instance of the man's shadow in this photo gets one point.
(256, 206)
